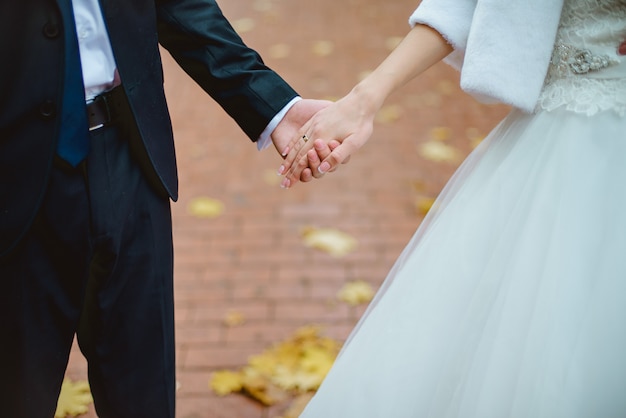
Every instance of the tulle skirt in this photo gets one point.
(510, 299)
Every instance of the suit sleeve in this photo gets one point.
(204, 44)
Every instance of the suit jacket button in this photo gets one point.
(51, 30)
(47, 110)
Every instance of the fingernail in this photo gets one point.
(280, 170)
(324, 167)
(285, 184)
(285, 152)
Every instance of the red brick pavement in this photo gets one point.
(251, 259)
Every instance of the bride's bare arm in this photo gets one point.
(350, 120)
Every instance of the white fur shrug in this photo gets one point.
(501, 47)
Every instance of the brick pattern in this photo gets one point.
(251, 259)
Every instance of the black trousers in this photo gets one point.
(96, 263)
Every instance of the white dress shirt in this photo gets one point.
(98, 63)
(96, 56)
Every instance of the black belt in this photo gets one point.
(105, 108)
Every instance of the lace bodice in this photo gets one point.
(586, 73)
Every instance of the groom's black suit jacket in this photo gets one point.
(31, 87)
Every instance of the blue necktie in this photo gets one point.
(73, 145)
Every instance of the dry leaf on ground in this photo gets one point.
(423, 204)
(206, 207)
(262, 5)
(296, 380)
(440, 133)
(291, 367)
(232, 319)
(74, 399)
(243, 25)
(224, 382)
(439, 152)
(323, 48)
(389, 114)
(332, 241)
(318, 360)
(355, 293)
(268, 394)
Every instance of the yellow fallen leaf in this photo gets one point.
(205, 207)
(279, 51)
(233, 319)
(243, 25)
(439, 152)
(258, 384)
(74, 399)
(332, 241)
(323, 48)
(290, 367)
(288, 354)
(268, 394)
(307, 333)
(296, 380)
(262, 5)
(423, 204)
(388, 114)
(224, 382)
(264, 363)
(440, 133)
(328, 344)
(355, 293)
(254, 378)
(317, 360)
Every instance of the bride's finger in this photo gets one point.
(306, 175)
(308, 160)
(292, 175)
(339, 155)
(320, 151)
(294, 151)
(331, 146)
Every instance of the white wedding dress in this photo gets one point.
(510, 300)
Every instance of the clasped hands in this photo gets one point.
(317, 135)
